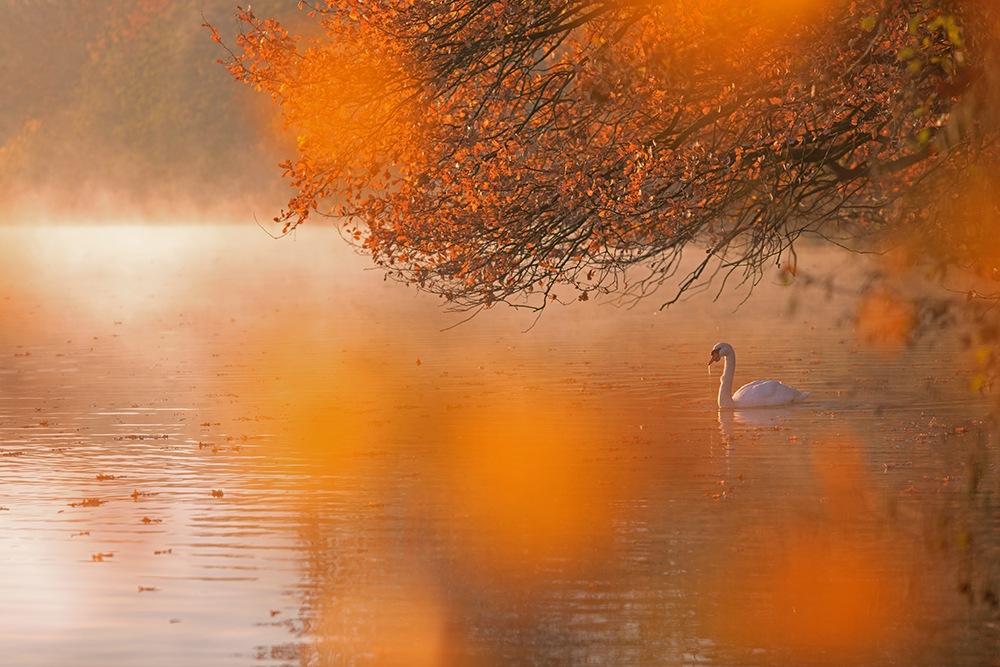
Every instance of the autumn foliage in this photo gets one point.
(491, 150)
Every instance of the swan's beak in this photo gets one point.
(714, 357)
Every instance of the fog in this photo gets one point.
(120, 111)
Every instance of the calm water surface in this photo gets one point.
(219, 449)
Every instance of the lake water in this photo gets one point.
(221, 449)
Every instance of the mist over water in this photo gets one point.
(218, 448)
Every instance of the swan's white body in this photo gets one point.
(757, 394)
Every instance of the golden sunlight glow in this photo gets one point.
(525, 483)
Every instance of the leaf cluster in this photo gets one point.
(524, 152)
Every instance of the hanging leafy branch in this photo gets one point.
(511, 151)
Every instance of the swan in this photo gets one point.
(757, 394)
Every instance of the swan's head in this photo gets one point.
(721, 350)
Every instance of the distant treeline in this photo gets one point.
(119, 107)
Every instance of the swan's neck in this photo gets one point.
(726, 384)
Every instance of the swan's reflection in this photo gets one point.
(754, 418)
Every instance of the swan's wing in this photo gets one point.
(757, 389)
(766, 392)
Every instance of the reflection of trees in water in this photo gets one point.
(842, 561)
(517, 530)
(432, 594)
(908, 556)
(965, 532)
(411, 564)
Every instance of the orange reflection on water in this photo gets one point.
(408, 630)
(514, 463)
(828, 583)
(886, 317)
(333, 406)
(434, 494)
(332, 399)
(832, 593)
(524, 481)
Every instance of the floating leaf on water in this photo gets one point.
(89, 502)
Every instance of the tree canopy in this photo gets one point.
(505, 150)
